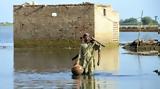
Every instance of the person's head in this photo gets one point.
(86, 37)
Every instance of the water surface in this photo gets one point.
(50, 68)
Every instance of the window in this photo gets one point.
(104, 12)
(54, 14)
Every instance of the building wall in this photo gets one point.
(106, 24)
(53, 21)
(64, 22)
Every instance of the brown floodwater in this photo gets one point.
(50, 69)
(59, 60)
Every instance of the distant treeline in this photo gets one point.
(6, 23)
(145, 21)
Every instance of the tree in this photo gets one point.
(121, 21)
(155, 22)
(133, 21)
(129, 21)
(148, 21)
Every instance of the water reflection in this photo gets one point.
(57, 60)
(85, 82)
(43, 60)
(54, 65)
(95, 82)
(50, 69)
(6, 68)
(109, 60)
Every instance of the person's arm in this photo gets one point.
(75, 60)
(75, 57)
(78, 57)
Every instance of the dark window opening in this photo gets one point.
(104, 12)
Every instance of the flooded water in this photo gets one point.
(6, 58)
(6, 34)
(50, 68)
(130, 36)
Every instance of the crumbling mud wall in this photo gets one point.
(63, 25)
(51, 25)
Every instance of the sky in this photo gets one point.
(125, 8)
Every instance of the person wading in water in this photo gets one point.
(85, 58)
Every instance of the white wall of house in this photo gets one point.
(105, 20)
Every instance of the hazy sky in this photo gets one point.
(126, 8)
